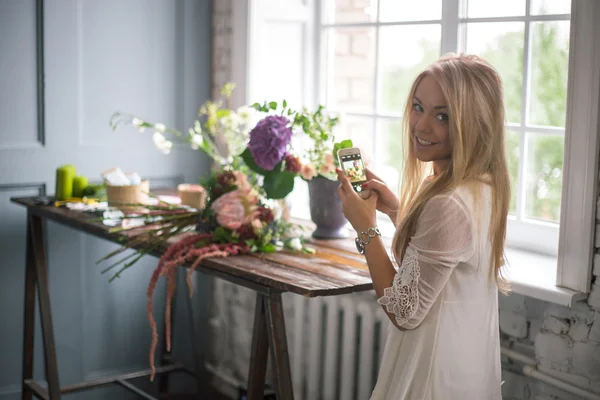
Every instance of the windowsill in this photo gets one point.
(534, 275)
(530, 274)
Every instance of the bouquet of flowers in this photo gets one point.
(257, 165)
(271, 139)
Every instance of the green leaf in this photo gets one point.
(222, 235)
(278, 184)
(273, 105)
(249, 160)
(284, 103)
(269, 248)
(346, 144)
(256, 106)
(305, 125)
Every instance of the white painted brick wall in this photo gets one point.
(535, 325)
(556, 325)
(553, 348)
(596, 270)
(594, 297)
(586, 359)
(513, 324)
(544, 397)
(579, 331)
(595, 330)
(566, 341)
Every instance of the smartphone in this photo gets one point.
(352, 163)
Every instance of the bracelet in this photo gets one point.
(364, 238)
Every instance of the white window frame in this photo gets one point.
(580, 163)
(524, 233)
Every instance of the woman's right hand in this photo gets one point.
(387, 201)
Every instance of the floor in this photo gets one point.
(207, 394)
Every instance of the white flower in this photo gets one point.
(245, 113)
(197, 127)
(230, 122)
(197, 141)
(138, 124)
(160, 127)
(161, 143)
(295, 244)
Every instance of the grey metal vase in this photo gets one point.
(326, 209)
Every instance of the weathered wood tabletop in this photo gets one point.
(335, 268)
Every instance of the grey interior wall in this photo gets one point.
(65, 67)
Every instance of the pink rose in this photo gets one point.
(241, 180)
(235, 208)
(328, 164)
(308, 171)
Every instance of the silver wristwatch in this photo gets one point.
(364, 238)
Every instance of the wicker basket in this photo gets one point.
(129, 194)
(192, 195)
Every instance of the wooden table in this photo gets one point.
(336, 268)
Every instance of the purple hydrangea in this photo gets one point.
(268, 141)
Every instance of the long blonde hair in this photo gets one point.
(474, 95)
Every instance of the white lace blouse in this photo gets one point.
(445, 296)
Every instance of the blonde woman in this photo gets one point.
(443, 343)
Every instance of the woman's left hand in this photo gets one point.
(361, 213)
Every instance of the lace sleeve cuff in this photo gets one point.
(402, 299)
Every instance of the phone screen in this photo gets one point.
(353, 167)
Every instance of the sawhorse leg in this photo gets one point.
(269, 332)
(36, 275)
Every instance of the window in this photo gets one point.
(361, 55)
(372, 50)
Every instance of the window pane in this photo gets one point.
(404, 51)
(351, 83)
(361, 131)
(544, 176)
(487, 8)
(549, 70)
(389, 155)
(501, 44)
(350, 11)
(391, 143)
(545, 7)
(513, 152)
(395, 10)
